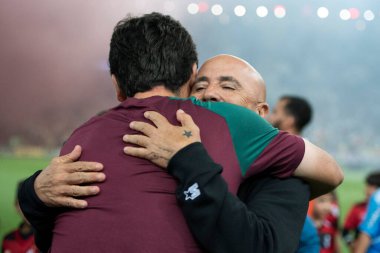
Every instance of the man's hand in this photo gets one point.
(60, 183)
(159, 144)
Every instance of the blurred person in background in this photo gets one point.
(293, 114)
(20, 240)
(357, 212)
(321, 209)
(369, 236)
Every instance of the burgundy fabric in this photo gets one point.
(282, 155)
(137, 210)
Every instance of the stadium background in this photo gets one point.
(54, 72)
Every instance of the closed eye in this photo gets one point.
(228, 86)
(198, 87)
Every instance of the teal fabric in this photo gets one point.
(250, 133)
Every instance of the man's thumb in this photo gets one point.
(70, 157)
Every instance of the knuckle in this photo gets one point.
(61, 191)
(75, 192)
(68, 203)
(152, 156)
(81, 178)
(55, 159)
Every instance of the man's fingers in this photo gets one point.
(140, 140)
(82, 167)
(72, 202)
(70, 157)
(185, 119)
(82, 191)
(156, 118)
(140, 152)
(142, 127)
(85, 178)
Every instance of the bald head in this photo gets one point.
(230, 79)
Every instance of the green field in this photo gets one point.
(14, 169)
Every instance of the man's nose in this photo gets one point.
(211, 94)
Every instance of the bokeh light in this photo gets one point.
(262, 11)
(240, 10)
(279, 11)
(193, 8)
(217, 9)
(354, 13)
(345, 14)
(369, 15)
(322, 12)
(203, 6)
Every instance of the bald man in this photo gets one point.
(268, 202)
(226, 78)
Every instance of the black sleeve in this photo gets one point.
(268, 218)
(40, 216)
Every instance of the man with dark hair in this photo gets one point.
(291, 114)
(138, 67)
(137, 209)
(357, 212)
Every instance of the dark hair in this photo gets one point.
(300, 109)
(373, 179)
(149, 51)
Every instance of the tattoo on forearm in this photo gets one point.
(188, 134)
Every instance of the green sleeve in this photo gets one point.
(250, 133)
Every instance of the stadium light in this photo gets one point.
(203, 6)
(279, 11)
(240, 10)
(193, 8)
(354, 13)
(345, 14)
(369, 15)
(217, 9)
(322, 12)
(262, 11)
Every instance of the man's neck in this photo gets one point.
(293, 131)
(155, 91)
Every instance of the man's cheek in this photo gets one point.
(197, 95)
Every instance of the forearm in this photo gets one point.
(320, 170)
(37, 213)
(223, 223)
(362, 243)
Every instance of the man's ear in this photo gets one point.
(263, 109)
(119, 93)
